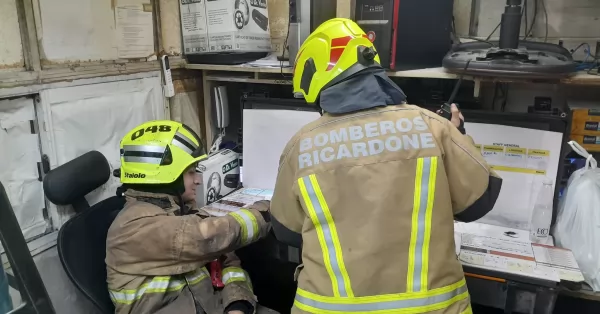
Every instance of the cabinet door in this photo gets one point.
(19, 160)
(95, 117)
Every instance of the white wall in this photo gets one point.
(11, 49)
(74, 31)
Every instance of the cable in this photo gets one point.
(492, 33)
(533, 20)
(481, 40)
(526, 19)
(285, 44)
(546, 17)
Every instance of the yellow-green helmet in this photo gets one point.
(158, 152)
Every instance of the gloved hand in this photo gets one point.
(457, 118)
(263, 207)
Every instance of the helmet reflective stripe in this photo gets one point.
(184, 143)
(143, 153)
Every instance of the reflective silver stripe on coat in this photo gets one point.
(198, 276)
(250, 223)
(157, 285)
(233, 276)
(327, 235)
(421, 224)
(404, 304)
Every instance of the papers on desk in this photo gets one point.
(236, 200)
(560, 259)
(269, 61)
(510, 251)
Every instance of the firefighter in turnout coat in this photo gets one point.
(158, 247)
(370, 190)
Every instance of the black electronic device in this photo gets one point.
(408, 34)
(261, 20)
(510, 56)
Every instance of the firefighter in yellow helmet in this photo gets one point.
(370, 190)
(159, 245)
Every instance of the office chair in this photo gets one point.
(82, 240)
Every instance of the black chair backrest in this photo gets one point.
(28, 279)
(82, 240)
(82, 250)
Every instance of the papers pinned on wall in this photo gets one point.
(523, 158)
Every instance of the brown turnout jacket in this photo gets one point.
(156, 260)
(373, 194)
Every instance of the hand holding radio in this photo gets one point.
(452, 113)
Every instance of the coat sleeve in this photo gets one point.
(238, 286)
(474, 187)
(287, 215)
(161, 245)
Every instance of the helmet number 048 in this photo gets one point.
(151, 129)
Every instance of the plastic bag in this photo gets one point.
(578, 222)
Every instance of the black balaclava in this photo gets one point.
(366, 89)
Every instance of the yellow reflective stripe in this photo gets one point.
(327, 234)
(468, 310)
(248, 224)
(236, 274)
(197, 276)
(158, 284)
(320, 236)
(413, 302)
(424, 195)
(334, 235)
(414, 227)
(428, 217)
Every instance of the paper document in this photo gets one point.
(236, 200)
(134, 31)
(510, 251)
(269, 61)
(266, 132)
(523, 158)
(558, 258)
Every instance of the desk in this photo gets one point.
(214, 74)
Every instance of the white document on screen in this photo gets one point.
(523, 158)
(266, 132)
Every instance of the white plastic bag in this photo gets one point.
(578, 222)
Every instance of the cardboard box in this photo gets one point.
(216, 26)
(220, 176)
(591, 143)
(585, 118)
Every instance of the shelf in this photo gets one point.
(579, 78)
(237, 68)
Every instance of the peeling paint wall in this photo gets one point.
(170, 25)
(187, 104)
(11, 49)
(278, 23)
(73, 31)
